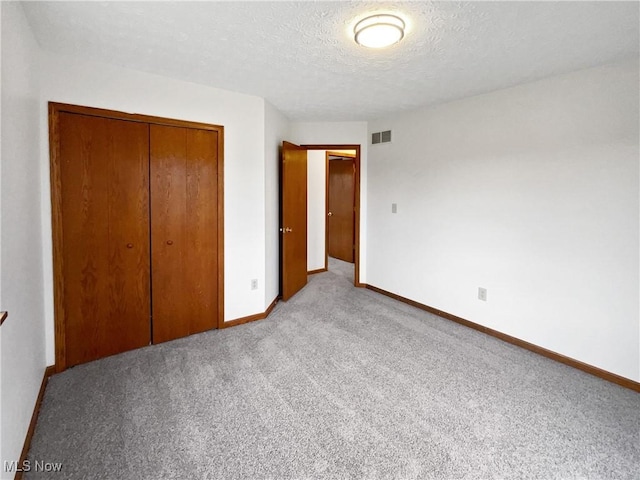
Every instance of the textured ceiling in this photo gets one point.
(301, 57)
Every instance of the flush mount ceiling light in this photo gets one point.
(379, 31)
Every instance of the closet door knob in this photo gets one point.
(129, 245)
(169, 242)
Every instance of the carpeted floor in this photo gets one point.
(344, 269)
(338, 382)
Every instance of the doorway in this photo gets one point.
(340, 206)
(341, 223)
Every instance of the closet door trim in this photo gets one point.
(56, 207)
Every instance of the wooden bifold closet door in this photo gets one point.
(136, 233)
(104, 168)
(183, 234)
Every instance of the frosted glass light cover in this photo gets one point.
(379, 31)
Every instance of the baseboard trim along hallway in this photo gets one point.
(50, 370)
(319, 270)
(585, 367)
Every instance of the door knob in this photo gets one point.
(287, 230)
(330, 214)
(169, 242)
(129, 245)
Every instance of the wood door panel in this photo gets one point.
(168, 216)
(202, 242)
(129, 249)
(294, 219)
(341, 224)
(183, 231)
(104, 204)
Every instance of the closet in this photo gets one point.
(137, 230)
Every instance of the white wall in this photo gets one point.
(276, 131)
(68, 80)
(22, 337)
(342, 133)
(316, 208)
(531, 192)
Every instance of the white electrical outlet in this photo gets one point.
(254, 284)
(482, 294)
(394, 208)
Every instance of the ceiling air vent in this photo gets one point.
(381, 137)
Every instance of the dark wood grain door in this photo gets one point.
(341, 215)
(104, 175)
(183, 231)
(294, 219)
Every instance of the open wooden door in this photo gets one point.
(293, 229)
(341, 214)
